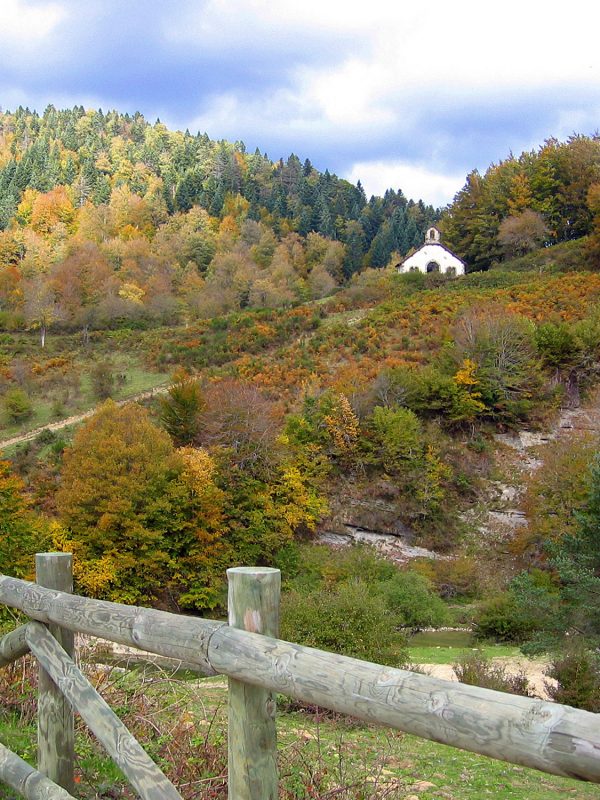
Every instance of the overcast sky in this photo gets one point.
(377, 90)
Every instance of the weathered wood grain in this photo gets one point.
(122, 746)
(546, 736)
(13, 646)
(56, 726)
(253, 604)
(171, 635)
(26, 780)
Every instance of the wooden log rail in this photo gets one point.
(547, 736)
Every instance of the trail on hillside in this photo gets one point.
(63, 423)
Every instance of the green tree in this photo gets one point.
(398, 437)
(181, 409)
(413, 602)
(17, 405)
(348, 619)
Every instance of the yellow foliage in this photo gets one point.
(431, 491)
(342, 424)
(469, 404)
(300, 505)
(25, 207)
(92, 575)
(466, 374)
(132, 292)
(199, 468)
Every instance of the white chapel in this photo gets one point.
(433, 257)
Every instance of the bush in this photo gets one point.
(47, 436)
(503, 620)
(321, 567)
(348, 620)
(412, 601)
(476, 669)
(17, 405)
(577, 673)
(556, 344)
(103, 380)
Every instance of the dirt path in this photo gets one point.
(534, 670)
(63, 423)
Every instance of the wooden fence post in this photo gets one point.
(56, 738)
(253, 605)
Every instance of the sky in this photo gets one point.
(396, 95)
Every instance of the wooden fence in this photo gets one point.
(534, 733)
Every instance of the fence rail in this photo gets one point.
(547, 736)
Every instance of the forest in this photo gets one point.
(108, 220)
(304, 384)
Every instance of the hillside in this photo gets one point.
(312, 390)
(402, 351)
(108, 221)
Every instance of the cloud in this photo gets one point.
(439, 89)
(416, 181)
(25, 24)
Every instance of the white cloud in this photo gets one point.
(25, 24)
(390, 65)
(416, 181)
(227, 23)
(406, 95)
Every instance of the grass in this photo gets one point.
(320, 756)
(448, 655)
(138, 379)
(446, 647)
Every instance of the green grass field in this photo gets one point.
(46, 409)
(183, 724)
(446, 647)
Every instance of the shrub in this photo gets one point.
(47, 436)
(17, 405)
(321, 567)
(476, 669)
(103, 380)
(502, 619)
(411, 599)
(577, 673)
(348, 620)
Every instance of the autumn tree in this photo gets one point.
(22, 533)
(51, 209)
(199, 551)
(114, 499)
(522, 232)
(80, 282)
(41, 308)
(241, 421)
